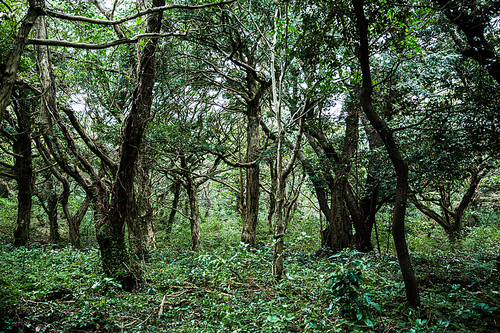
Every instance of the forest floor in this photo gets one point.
(232, 290)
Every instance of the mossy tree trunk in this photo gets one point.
(75, 220)
(140, 223)
(252, 172)
(144, 208)
(116, 259)
(48, 193)
(24, 172)
(252, 191)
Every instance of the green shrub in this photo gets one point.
(347, 288)
(483, 241)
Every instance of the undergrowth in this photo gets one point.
(231, 290)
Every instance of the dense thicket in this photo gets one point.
(133, 117)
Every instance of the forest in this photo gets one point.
(249, 166)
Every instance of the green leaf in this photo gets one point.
(272, 319)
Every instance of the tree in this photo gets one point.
(397, 159)
(116, 261)
(223, 35)
(24, 172)
(10, 64)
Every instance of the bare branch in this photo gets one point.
(133, 40)
(8, 175)
(130, 17)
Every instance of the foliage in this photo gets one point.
(347, 288)
(231, 289)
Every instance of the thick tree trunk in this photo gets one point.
(140, 223)
(335, 233)
(135, 237)
(252, 174)
(337, 223)
(144, 208)
(400, 166)
(110, 229)
(24, 174)
(195, 216)
(340, 237)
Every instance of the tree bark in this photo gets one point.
(272, 195)
(110, 233)
(253, 172)
(52, 204)
(49, 194)
(400, 166)
(194, 208)
(24, 174)
(175, 204)
(144, 208)
(194, 216)
(335, 235)
(140, 223)
(74, 221)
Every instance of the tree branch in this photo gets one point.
(133, 40)
(68, 17)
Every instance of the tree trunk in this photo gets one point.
(334, 212)
(175, 204)
(194, 207)
(52, 204)
(144, 208)
(370, 193)
(337, 217)
(252, 174)
(240, 199)
(24, 174)
(272, 196)
(366, 242)
(400, 166)
(110, 229)
(13, 57)
(74, 221)
(195, 216)
(140, 223)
